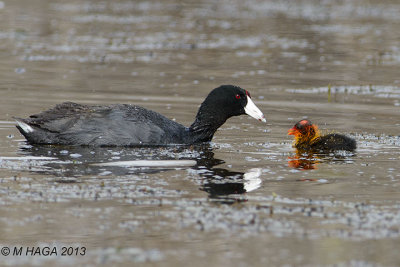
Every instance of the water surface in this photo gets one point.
(247, 198)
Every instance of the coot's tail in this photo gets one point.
(24, 128)
(34, 135)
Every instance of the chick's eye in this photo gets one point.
(238, 96)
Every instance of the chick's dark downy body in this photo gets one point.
(334, 142)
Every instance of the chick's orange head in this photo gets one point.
(293, 131)
(300, 127)
(304, 129)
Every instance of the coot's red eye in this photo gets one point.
(237, 96)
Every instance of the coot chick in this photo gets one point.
(308, 138)
(128, 125)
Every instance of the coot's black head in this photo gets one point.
(227, 101)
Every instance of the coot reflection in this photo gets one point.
(73, 162)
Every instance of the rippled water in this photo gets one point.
(246, 199)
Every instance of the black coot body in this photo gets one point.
(128, 125)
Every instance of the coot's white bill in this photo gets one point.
(252, 110)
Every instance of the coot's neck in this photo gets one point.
(204, 126)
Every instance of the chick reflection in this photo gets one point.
(304, 160)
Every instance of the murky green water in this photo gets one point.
(249, 200)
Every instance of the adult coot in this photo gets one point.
(128, 125)
(307, 137)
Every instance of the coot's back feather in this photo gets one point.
(71, 123)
